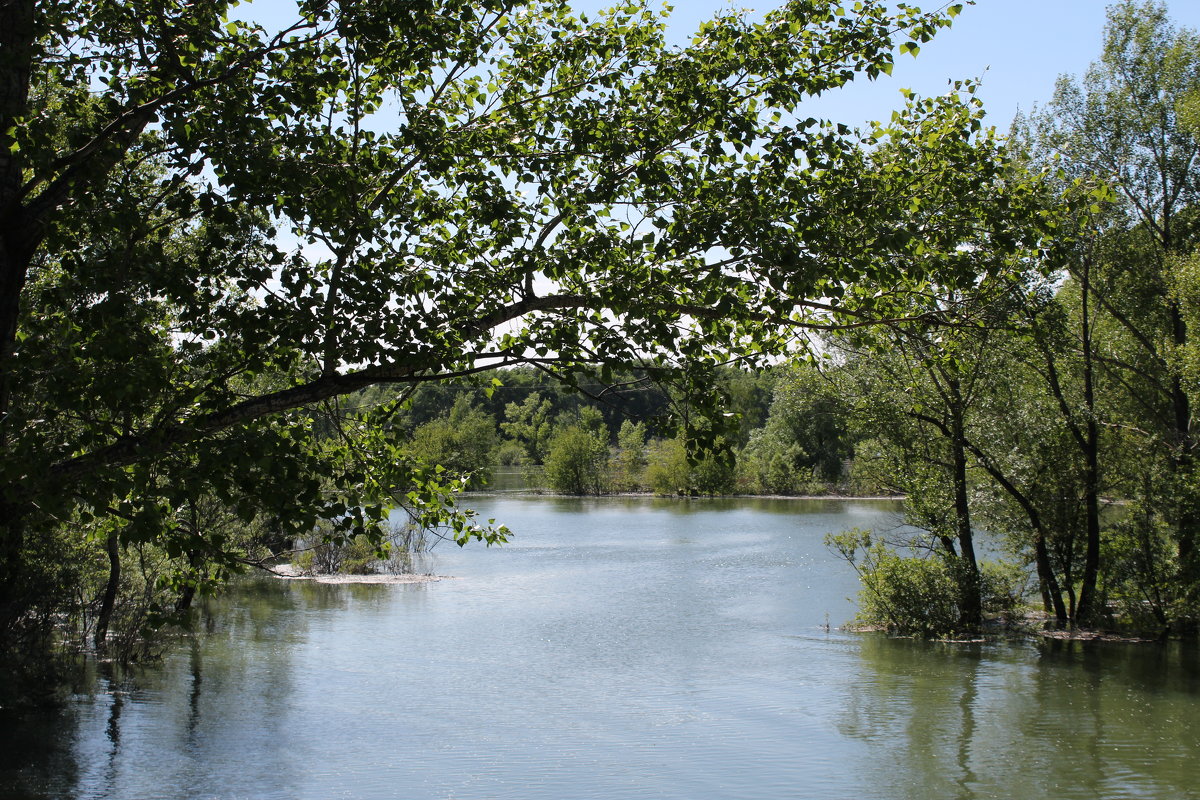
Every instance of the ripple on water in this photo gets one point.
(623, 649)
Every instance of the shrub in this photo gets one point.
(712, 475)
(767, 464)
(667, 470)
(1003, 587)
(921, 594)
(629, 466)
(577, 461)
(509, 454)
(910, 595)
(397, 553)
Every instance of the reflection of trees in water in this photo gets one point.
(195, 660)
(158, 730)
(918, 704)
(1125, 715)
(37, 753)
(112, 729)
(1064, 719)
(185, 727)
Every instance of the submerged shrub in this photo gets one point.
(922, 594)
(909, 594)
(1002, 587)
(398, 553)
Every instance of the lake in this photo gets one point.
(617, 648)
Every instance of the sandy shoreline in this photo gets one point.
(288, 572)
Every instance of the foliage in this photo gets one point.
(913, 595)
(713, 472)
(509, 454)
(213, 236)
(1140, 566)
(917, 594)
(671, 470)
(768, 464)
(529, 424)
(805, 411)
(629, 463)
(1004, 586)
(1127, 122)
(462, 442)
(667, 472)
(577, 461)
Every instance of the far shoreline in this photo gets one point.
(651, 496)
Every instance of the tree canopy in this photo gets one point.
(211, 231)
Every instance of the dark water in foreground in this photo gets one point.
(617, 649)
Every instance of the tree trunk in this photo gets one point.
(12, 600)
(17, 36)
(1183, 467)
(971, 601)
(188, 595)
(17, 39)
(1088, 612)
(109, 600)
(1050, 589)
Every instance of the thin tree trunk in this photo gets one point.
(1087, 612)
(17, 36)
(971, 600)
(109, 601)
(1050, 588)
(12, 545)
(1183, 467)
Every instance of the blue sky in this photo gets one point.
(1018, 47)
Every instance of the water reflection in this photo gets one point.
(1057, 719)
(194, 667)
(112, 729)
(619, 648)
(37, 754)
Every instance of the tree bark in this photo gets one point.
(1183, 466)
(971, 601)
(112, 546)
(1088, 612)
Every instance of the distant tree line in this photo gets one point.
(783, 433)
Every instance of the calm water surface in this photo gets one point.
(618, 648)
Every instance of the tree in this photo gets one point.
(804, 438)
(918, 393)
(210, 232)
(529, 424)
(461, 442)
(1126, 123)
(577, 460)
(630, 461)
(915, 388)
